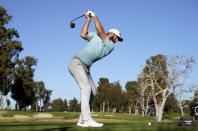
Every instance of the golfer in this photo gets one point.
(98, 46)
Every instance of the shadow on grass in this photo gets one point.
(33, 124)
(59, 129)
(36, 126)
(175, 127)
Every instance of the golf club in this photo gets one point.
(72, 25)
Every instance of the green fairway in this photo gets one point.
(64, 126)
(112, 122)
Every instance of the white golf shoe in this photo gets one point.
(90, 123)
(79, 124)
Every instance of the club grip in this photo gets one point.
(89, 15)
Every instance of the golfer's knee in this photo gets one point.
(85, 90)
(94, 92)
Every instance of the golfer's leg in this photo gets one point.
(92, 96)
(80, 120)
(93, 90)
(93, 87)
(79, 74)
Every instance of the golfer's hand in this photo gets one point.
(87, 17)
(90, 12)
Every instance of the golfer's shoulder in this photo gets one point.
(92, 35)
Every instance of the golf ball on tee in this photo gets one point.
(149, 123)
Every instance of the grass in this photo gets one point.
(175, 116)
(25, 113)
(108, 126)
(66, 115)
(127, 123)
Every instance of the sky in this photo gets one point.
(148, 27)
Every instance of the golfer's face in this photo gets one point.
(115, 38)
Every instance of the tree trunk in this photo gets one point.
(114, 110)
(143, 109)
(26, 108)
(160, 109)
(142, 103)
(103, 106)
(136, 110)
(156, 110)
(130, 110)
(147, 107)
(36, 106)
(182, 111)
(20, 105)
(46, 108)
(108, 109)
(180, 107)
(1, 102)
(160, 114)
(17, 106)
(8, 107)
(40, 105)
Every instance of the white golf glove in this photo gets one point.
(90, 12)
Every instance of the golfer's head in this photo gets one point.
(115, 35)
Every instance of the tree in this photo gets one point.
(57, 105)
(124, 102)
(103, 92)
(9, 52)
(133, 95)
(96, 104)
(23, 87)
(65, 106)
(167, 75)
(145, 92)
(40, 89)
(180, 102)
(73, 105)
(171, 104)
(46, 98)
(115, 96)
(187, 106)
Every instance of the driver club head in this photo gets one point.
(72, 25)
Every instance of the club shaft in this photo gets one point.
(77, 18)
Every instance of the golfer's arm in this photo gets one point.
(84, 33)
(100, 29)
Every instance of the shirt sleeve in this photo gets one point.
(91, 35)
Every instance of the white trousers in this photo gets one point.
(87, 87)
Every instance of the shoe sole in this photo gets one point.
(80, 125)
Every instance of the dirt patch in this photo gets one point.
(109, 120)
(21, 117)
(2, 112)
(43, 115)
(94, 114)
(108, 115)
(176, 118)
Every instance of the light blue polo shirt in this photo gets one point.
(95, 49)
